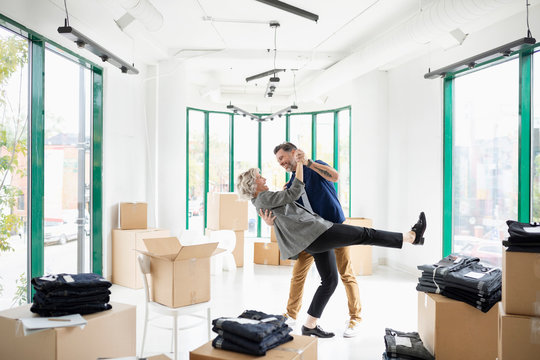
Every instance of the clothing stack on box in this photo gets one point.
(519, 313)
(463, 278)
(253, 332)
(65, 294)
(225, 211)
(127, 240)
(404, 346)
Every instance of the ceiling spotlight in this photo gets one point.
(263, 118)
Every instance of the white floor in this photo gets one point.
(389, 299)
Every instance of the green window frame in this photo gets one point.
(525, 143)
(37, 45)
(314, 115)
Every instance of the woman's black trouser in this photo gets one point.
(341, 235)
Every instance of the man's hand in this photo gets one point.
(267, 217)
(300, 156)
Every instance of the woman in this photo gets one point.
(298, 229)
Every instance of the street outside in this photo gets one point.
(58, 258)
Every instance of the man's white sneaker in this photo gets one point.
(289, 320)
(353, 328)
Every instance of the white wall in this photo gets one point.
(171, 146)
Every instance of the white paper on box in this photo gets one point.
(403, 341)
(532, 230)
(35, 324)
(474, 275)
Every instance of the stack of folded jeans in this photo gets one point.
(253, 332)
(524, 237)
(404, 345)
(65, 294)
(463, 278)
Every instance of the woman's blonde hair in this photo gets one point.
(245, 183)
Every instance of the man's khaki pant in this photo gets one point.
(299, 274)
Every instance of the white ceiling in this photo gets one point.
(239, 42)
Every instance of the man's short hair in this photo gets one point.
(286, 146)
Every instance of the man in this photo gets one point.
(321, 198)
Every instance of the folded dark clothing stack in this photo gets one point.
(404, 346)
(463, 278)
(253, 332)
(65, 294)
(524, 237)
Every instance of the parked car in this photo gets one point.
(59, 232)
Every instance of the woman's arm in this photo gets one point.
(273, 199)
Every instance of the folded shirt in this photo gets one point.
(69, 281)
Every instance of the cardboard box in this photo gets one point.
(238, 251)
(108, 333)
(125, 268)
(180, 274)
(452, 329)
(266, 253)
(361, 255)
(226, 212)
(301, 348)
(519, 336)
(521, 283)
(133, 215)
(286, 262)
(273, 235)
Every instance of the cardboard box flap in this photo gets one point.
(196, 251)
(162, 246)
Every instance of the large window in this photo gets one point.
(252, 146)
(50, 161)
(485, 170)
(490, 115)
(13, 169)
(536, 139)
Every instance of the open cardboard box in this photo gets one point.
(180, 274)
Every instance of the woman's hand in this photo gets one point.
(267, 217)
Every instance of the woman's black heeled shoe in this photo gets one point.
(419, 228)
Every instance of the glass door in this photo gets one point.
(68, 114)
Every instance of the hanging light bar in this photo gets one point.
(292, 9)
(263, 74)
(257, 118)
(470, 63)
(84, 42)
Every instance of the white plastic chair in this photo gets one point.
(193, 311)
(226, 240)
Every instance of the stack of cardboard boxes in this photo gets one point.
(452, 329)
(127, 240)
(267, 253)
(225, 211)
(519, 313)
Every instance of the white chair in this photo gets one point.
(226, 240)
(180, 313)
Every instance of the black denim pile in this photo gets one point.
(463, 278)
(404, 346)
(64, 294)
(253, 332)
(524, 237)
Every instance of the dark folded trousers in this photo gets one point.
(518, 232)
(254, 330)
(42, 299)
(405, 345)
(69, 281)
(82, 309)
(223, 344)
(274, 339)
